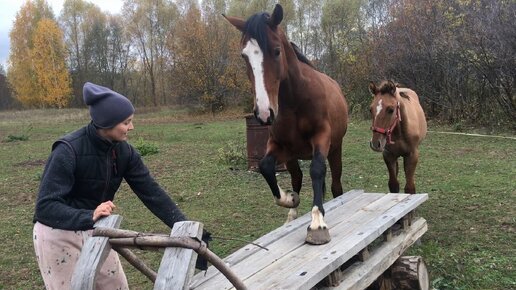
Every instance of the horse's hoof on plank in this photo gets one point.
(318, 236)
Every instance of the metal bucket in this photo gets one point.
(257, 136)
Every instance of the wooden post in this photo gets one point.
(93, 254)
(178, 264)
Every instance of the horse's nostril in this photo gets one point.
(271, 118)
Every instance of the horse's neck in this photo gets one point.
(404, 114)
(294, 80)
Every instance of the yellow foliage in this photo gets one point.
(48, 57)
(37, 71)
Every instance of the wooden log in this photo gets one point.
(137, 263)
(407, 273)
(410, 272)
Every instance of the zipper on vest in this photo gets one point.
(108, 172)
(115, 167)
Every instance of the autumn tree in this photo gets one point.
(209, 72)
(457, 54)
(48, 58)
(149, 24)
(21, 74)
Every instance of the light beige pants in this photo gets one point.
(57, 252)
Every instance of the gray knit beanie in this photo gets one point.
(107, 107)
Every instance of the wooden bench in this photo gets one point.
(369, 232)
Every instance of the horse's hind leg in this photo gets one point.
(296, 176)
(409, 165)
(392, 166)
(335, 162)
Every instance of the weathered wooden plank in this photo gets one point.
(290, 237)
(305, 267)
(308, 264)
(178, 264)
(347, 200)
(291, 243)
(93, 254)
(362, 274)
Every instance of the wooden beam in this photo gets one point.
(362, 274)
(93, 254)
(178, 264)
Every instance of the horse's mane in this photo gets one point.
(256, 26)
(301, 56)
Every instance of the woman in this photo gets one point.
(81, 177)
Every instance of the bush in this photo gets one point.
(20, 137)
(234, 154)
(146, 148)
(14, 138)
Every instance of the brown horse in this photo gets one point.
(306, 109)
(399, 126)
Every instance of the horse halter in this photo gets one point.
(388, 132)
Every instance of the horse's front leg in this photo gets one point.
(318, 232)
(409, 165)
(392, 166)
(267, 168)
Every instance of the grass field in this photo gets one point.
(471, 182)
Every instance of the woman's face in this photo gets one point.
(119, 132)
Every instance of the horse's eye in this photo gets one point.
(390, 110)
(277, 52)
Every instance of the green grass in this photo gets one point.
(471, 182)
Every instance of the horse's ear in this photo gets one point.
(391, 87)
(276, 17)
(239, 23)
(372, 88)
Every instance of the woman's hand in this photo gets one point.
(104, 209)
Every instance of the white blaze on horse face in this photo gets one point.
(378, 108)
(255, 57)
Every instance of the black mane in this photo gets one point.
(301, 56)
(256, 27)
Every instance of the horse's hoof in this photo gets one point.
(288, 200)
(318, 236)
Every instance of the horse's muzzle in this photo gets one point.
(269, 119)
(376, 146)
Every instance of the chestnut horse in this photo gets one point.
(305, 108)
(399, 126)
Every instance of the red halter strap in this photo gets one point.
(388, 132)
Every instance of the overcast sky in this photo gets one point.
(9, 8)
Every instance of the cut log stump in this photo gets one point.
(407, 273)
